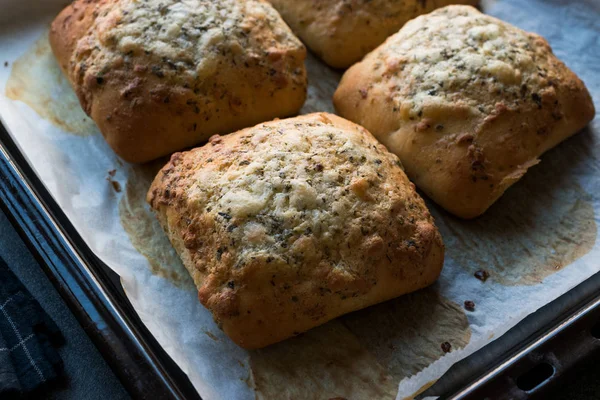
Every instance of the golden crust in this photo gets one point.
(159, 76)
(341, 32)
(288, 224)
(467, 102)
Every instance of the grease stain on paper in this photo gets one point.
(144, 230)
(539, 226)
(325, 362)
(364, 354)
(423, 318)
(37, 80)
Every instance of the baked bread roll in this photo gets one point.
(341, 32)
(288, 224)
(160, 75)
(467, 102)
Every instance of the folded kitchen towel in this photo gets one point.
(28, 340)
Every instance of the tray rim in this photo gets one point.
(582, 310)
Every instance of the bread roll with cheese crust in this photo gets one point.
(288, 224)
(341, 32)
(160, 75)
(467, 102)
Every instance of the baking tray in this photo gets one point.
(525, 363)
(91, 289)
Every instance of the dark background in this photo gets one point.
(89, 377)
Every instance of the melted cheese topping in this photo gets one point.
(183, 39)
(296, 190)
(458, 55)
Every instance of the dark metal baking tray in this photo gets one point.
(525, 363)
(91, 290)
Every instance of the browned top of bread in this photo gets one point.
(341, 32)
(293, 222)
(467, 101)
(159, 75)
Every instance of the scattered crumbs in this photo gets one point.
(469, 305)
(212, 336)
(482, 275)
(241, 363)
(446, 347)
(116, 186)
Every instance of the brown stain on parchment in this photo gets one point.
(325, 362)
(405, 334)
(36, 80)
(144, 230)
(540, 225)
(362, 355)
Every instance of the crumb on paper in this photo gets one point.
(6, 63)
(558, 266)
(116, 186)
(446, 347)
(469, 305)
(482, 275)
(211, 335)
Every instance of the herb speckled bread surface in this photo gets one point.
(291, 223)
(341, 32)
(467, 102)
(161, 75)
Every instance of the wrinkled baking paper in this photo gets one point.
(537, 242)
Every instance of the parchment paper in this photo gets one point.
(537, 242)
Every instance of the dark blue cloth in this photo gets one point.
(28, 340)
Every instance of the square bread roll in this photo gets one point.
(160, 75)
(341, 32)
(467, 102)
(288, 224)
